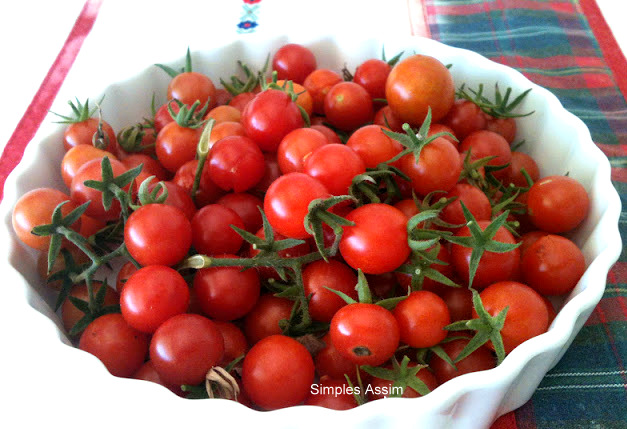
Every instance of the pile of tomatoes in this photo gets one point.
(318, 237)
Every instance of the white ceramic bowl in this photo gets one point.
(559, 142)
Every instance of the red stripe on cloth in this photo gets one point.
(608, 44)
(600, 310)
(418, 18)
(506, 421)
(38, 107)
(472, 8)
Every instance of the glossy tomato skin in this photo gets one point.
(225, 129)
(421, 319)
(384, 117)
(527, 315)
(493, 267)
(506, 127)
(334, 165)
(190, 87)
(125, 272)
(150, 167)
(83, 133)
(486, 143)
(78, 155)
(372, 75)
(553, 265)
(521, 160)
(347, 106)
(236, 163)
(80, 193)
(152, 295)
(287, 200)
(277, 372)
(185, 347)
(293, 62)
(437, 169)
(318, 83)
(235, 343)
(207, 193)
(158, 234)
(163, 116)
(35, 208)
(377, 243)
(263, 320)
(121, 348)
(247, 206)
(479, 360)
(473, 198)
(417, 83)
(241, 100)
(176, 145)
(226, 293)
(296, 147)
(557, 204)
(269, 117)
(373, 146)
(212, 232)
(465, 117)
(224, 113)
(333, 274)
(365, 334)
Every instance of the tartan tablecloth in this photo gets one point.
(563, 45)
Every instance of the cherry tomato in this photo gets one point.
(224, 114)
(277, 372)
(347, 106)
(176, 145)
(126, 271)
(296, 147)
(493, 267)
(386, 118)
(318, 83)
(35, 208)
(207, 193)
(521, 160)
(152, 295)
(269, 117)
(263, 320)
(293, 62)
(437, 169)
(291, 252)
(212, 232)
(163, 116)
(441, 128)
(226, 293)
(235, 344)
(526, 317)
(80, 193)
(557, 204)
(335, 394)
(373, 146)
(119, 347)
(528, 239)
(380, 388)
(506, 127)
(158, 234)
(185, 347)
(473, 198)
(222, 97)
(459, 302)
(479, 360)
(329, 362)
(247, 206)
(421, 319)
(318, 275)
(83, 133)
(303, 98)
(365, 334)
(372, 75)
(485, 143)
(417, 83)
(236, 163)
(147, 372)
(328, 133)
(428, 284)
(178, 197)
(287, 201)
(190, 87)
(225, 129)
(271, 172)
(377, 243)
(334, 165)
(464, 118)
(150, 167)
(76, 157)
(553, 265)
(241, 100)
(70, 314)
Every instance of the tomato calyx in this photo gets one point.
(172, 72)
(364, 296)
(288, 88)
(488, 328)
(501, 107)
(421, 265)
(376, 183)
(188, 116)
(202, 151)
(392, 61)
(319, 214)
(481, 241)
(131, 138)
(93, 309)
(402, 375)
(251, 79)
(158, 195)
(415, 142)
(81, 112)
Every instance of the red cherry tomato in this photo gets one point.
(277, 372)
(380, 388)
(152, 295)
(317, 276)
(365, 334)
(474, 200)
(236, 163)
(557, 204)
(83, 133)
(185, 347)
(506, 127)
(70, 314)
(377, 243)
(485, 143)
(373, 146)
(158, 234)
(479, 360)
(76, 157)
(465, 117)
(177, 197)
(372, 75)
(247, 206)
(293, 62)
(334, 165)
(235, 343)
(212, 232)
(207, 193)
(190, 87)
(176, 145)
(329, 362)
(121, 349)
(421, 319)
(386, 118)
(263, 320)
(347, 106)
(521, 160)
(318, 83)
(296, 147)
(335, 394)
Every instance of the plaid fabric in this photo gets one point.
(553, 43)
